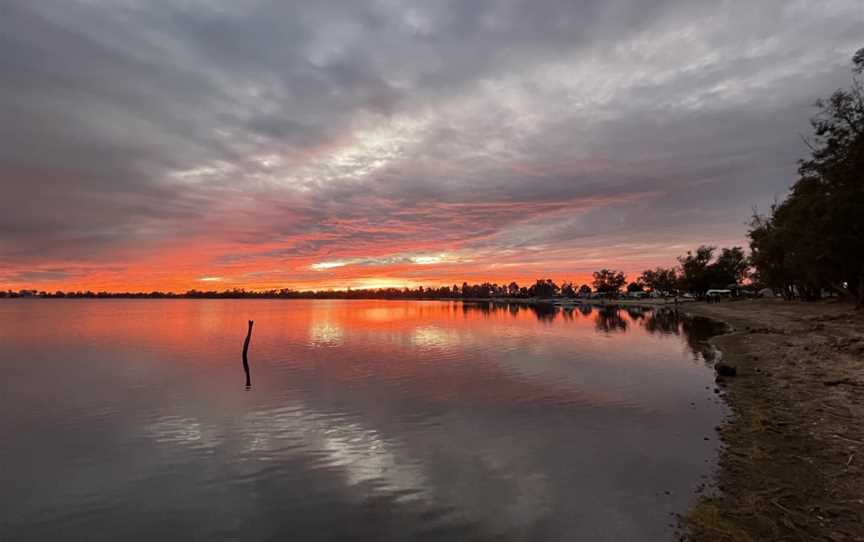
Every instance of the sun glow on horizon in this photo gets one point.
(381, 283)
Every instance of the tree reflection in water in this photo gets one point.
(614, 319)
(610, 319)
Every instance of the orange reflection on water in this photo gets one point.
(446, 351)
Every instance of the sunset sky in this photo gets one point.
(215, 144)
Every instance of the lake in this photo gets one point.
(366, 420)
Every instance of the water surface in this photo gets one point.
(366, 420)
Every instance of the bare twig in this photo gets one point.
(849, 439)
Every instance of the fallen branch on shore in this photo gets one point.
(840, 381)
(849, 439)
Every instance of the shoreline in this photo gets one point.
(792, 462)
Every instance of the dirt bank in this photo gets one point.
(793, 464)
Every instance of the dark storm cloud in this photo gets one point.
(325, 127)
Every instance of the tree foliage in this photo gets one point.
(544, 288)
(608, 281)
(700, 271)
(695, 275)
(814, 239)
(661, 279)
(730, 267)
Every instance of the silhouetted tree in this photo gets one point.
(730, 267)
(608, 281)
(513, 289)
(544, 288)
(814, 238)
(695, 270)
(635, 287)
(661, 279)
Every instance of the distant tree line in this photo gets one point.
(697, 273)
(542, 288)
(813, 240)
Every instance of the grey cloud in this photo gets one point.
(136, 123)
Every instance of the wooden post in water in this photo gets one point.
(245, 350)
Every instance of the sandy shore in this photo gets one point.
(793, 463)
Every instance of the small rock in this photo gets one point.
(724, 369)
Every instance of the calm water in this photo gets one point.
(366, 420)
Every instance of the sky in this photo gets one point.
(213, 144)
